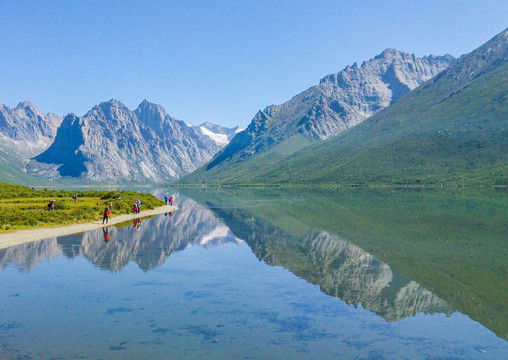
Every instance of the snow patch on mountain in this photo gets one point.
(220, 139)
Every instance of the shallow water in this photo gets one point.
(270, 275)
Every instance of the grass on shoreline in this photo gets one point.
(22, 207)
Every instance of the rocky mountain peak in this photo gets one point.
(27, 127)
(152, 114)
(27, 105)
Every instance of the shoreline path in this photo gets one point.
(25, 236)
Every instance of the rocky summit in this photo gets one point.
(340, 101)
(26, 127)
(114, 144)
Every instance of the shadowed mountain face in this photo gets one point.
(340, 101)
(113, 144)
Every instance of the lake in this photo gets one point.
(270, 274)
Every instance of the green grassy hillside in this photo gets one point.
(452, 130)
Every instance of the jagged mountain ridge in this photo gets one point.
(111, 143)
(339, 102)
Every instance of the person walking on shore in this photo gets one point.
(166, 199)
(170, 200)
(105, 216)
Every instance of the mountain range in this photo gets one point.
(395, 119)
(110, 144)
(452, 129)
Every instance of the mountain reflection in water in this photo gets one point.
(149, 242)
(340, 268)
(451, 242)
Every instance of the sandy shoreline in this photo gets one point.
(25, 236)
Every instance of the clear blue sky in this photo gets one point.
(217, 61)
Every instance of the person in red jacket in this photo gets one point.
(105, 216)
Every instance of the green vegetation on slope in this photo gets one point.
(450, 131)
(24, 208)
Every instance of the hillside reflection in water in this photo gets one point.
(190, 302)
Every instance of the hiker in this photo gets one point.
(105, 216)
(75, 197)
(51, 205)
(166, 199)
(110, 205)
(170, 200)
(139, 205)
(135, 208)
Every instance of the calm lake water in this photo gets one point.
(251, 274)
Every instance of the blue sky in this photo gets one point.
(217, 61)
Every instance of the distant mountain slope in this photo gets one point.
(453, 129)
(219, 134)
(24, 132)
(113, 144)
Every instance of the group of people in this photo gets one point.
(136, 207)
